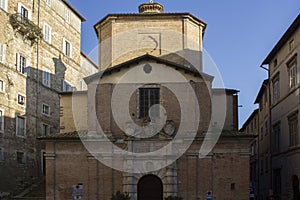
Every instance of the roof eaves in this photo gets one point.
(286, 36)
(89, 59)
(116, 15)
(264, 85)
(74, 10)
(249, 119)
(146, 57)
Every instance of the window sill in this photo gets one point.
(20, 136)
(294, 147)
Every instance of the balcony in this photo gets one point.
(25, 27)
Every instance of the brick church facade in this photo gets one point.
(147, 59)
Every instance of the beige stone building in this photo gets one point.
(278, 128)
(251, 126)
(39, 58)
(283, 64)
(264, 141)
(258, 125)
(109, 132)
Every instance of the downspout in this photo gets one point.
(37, 145)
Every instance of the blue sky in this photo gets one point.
(239, 34)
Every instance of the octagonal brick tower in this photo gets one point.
(173, 36)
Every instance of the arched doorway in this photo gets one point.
(296, 195)
(150, 187)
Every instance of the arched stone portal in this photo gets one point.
(150, 187)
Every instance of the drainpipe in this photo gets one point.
(37, 85)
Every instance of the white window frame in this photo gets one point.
(47, 33)
(46, 77)
(44, 110)
(65, 41)
(48, 2)
(2, 118)
(2, 52)
(17, 125)
(19, 68)
(3, 5)
(2, 154)
(293, 76)
(292, 69)
(276, 89)
(66, 87)
(20, 5)
(2, 86)
(21, 99)
(67, 15)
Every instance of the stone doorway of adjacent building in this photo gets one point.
(296, 195)
(150, 187)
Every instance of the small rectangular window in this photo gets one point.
(48, 2)
(2, 52)
(1, 154)
(1, 121)
(24, 13)
(46, 78)
(3, 5)
(261, 132)
(21, 63)
(232, 186)
(147, 98)
(276, 138)
(293, 129)
(266, 128)
(291, 45)
(66, 87)
(47, 33)
(276, 89)
(45, 129)
(20, 126)
(67, 15)
(265, 97)
(2, 86)
(46, 109)
(21, 157)
(292, 68)
(275, 63)
(261, 105)
(21, 99)
(67, 48)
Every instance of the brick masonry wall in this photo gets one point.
(69, 163)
